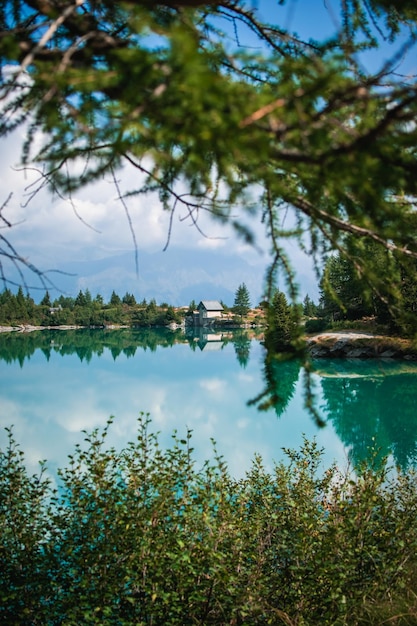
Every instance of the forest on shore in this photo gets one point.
(344, 300)
(20, 309)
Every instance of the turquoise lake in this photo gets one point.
(55, 384)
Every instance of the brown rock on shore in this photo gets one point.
(354, 345)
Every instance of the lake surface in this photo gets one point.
(54, 384)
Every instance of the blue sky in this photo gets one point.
(51, 231)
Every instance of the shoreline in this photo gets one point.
(28, 328)
(348, 344)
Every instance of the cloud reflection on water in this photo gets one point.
(52, 394)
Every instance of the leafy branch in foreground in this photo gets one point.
(145, 536)
(219, 109)
(10, 256)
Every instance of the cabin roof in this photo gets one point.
(211, 305)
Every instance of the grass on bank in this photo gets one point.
(145, 536)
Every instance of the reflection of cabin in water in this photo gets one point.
(210, 341)
(208, 311)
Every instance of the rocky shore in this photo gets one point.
(355, 345)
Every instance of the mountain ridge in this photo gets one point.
(175, 276)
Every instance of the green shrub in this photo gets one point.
(142, 536)
(316, 325)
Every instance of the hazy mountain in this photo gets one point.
(175, 276)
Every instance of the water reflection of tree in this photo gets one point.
(242, 344)
(399, 416)
(280, 377)
(374, 412)
(84, 343)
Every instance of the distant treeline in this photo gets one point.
(84, 310)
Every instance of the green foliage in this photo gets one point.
(26, 520)
(84, 311)
(129, 299)
(283, 325)
(316, 325)
(342, 293)
(346, 293)
(284, 347)
(81, 299)
(152, 315)
(18, 309)
(406, 323)
(239, 112)
(309, 308)
(143, 536)
(66, 302)
(241, 305)
(114, 299)
(46, 300)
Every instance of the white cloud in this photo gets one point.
(47, 221)
(94, 223)
(214, 386)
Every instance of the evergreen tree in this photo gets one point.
(114, 299)
(408, 285)
(32, 309)
(337, 287)
(346, 293)
(20, 311)
(171, 315)
(80, 300)
(242, 346)
(241, 304)
(66, 302)
(7, 306)
(46, 300)
(129, 299)
(309, 308)
(282, 321)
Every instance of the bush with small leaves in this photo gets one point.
(143, 536)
